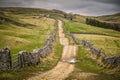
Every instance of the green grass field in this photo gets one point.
(80, 27)
(108, 44)
(26, 38)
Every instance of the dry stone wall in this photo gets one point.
(5, 59)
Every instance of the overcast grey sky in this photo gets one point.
(84, 7)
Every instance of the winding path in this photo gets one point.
(62, 69)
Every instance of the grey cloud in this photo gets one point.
(85, 7)
(114, 2)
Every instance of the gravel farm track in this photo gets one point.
(63, 68)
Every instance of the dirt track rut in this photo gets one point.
(62, 69)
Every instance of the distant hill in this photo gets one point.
(7, 11)
(11, 12)
(106, 21)
(111, 18)
(32, 11)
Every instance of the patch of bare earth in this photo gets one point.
(62, 69)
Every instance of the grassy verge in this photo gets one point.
(46, 64)
(85, 63)
(88, 69)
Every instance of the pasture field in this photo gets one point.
(108, 43)
(81, 27)
(26, 38)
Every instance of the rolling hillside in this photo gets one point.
(111, 18)
(19, 29)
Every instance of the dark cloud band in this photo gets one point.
(85, 7)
